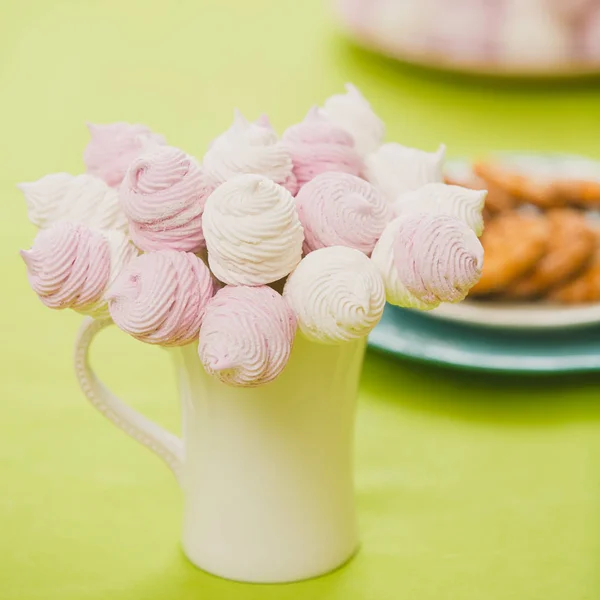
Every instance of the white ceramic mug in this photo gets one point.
(266, 472)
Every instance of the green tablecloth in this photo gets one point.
(469, 487)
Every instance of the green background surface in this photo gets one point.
(469, 487)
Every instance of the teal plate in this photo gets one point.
(417, 336)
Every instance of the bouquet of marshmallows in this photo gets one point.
(264, 236)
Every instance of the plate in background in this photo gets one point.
(409, 334)
(531, 315)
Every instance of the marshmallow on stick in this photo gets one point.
(428, 259)
(317, 145)
(249, 148)
(352, 112)
(338, 209)
(160, 297)
(337, 294)
(441, 199)
(72, 266)
(246, 335)
(395, 169)
(163, 196)
(84, 199)
(113, 147)
(252, 231)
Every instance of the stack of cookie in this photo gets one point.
(542, 234)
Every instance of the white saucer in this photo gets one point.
(519, 316)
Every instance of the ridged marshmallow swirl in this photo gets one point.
(160, 297)
(113, 147)
(72, 266)
(246, 335)
(337, 209)
(163, 196)
(252, 231)
(84, 199)
(352, 112)
(428, 259)
(442, 199)
(395, 169)
(317, 145)
(337, 295)
(249, 148)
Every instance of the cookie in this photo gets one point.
(580, 192)
(583, 288)
(497, 200)
(570, 248)
(542, 192)
(513, 243)
(547, 181)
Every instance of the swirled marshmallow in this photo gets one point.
(72, 266)
(84, 199)
(352, 112)
(246, 335)
(249, 148)
(160, 297)
(338, 209)
(395, 169)
(252, 231)
(317, 145)
(163, 196)
(428, 259)
(441, 199)
(113, 147)
(337, 295)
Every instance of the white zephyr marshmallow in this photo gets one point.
(337, 295)
(351, 111)
(441, 199)
(395, 169)
(84, 199)
(252, 231)
(249, 148)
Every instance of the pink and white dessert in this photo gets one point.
(253, 234)
(317, 146)
(337, 295)
(428, 259)
(442, 199)
(160, 297)
(338, 209)
(353, 113)
(61, 197)
(163, 196)
(113, 147)
(395, 169)
(249, 148)
(246, 335)
(72, 266)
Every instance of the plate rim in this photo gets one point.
(379, 342)
(496, 317)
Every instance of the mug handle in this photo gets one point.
(167, 446)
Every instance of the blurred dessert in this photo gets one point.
(514, 37)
